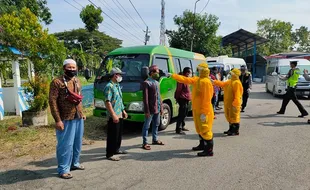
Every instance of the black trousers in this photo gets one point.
(245, 98)
(183, 110)
(291, 95)
(114, 137)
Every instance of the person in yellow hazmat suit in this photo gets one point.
(233, 91)
(201, 106)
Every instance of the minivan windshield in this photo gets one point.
(131, 64)
(285, 69)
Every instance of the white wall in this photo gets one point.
(9, 99)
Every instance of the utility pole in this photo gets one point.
(193, 30)
(162, 25)
(147, 37)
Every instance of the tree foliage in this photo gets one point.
(37, 7)
(79, 45)
(205, 28)
(301, 38)
(279, 34)
(91, 17)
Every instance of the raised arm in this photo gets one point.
(221, 83)
(183, 79)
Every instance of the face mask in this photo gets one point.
(71, 73)
(155, 76)
(197, 73)
(119, 79)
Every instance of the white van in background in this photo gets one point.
(227, 62)
(281, 67)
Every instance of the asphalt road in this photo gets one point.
(272, 152)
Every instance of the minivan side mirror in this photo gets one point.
(274, 74)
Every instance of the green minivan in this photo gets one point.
(132, 61)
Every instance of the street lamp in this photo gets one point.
(193, 35)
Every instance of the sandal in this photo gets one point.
(114, 158)
(158, 143)
(146, 147)
(80, 167)
(66, 176)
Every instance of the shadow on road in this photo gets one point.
(266, 116)
(285, 124)
(262, 96)
(14, 176)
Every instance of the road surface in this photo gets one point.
(272, 152)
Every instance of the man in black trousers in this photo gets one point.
(182, 96)
(246, 80)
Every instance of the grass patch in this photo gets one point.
(36, 142)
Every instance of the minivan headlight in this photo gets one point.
(282, 83)
(99, 103)
(136, 106)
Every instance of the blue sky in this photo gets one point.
(233, 14)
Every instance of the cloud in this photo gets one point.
(233, 14)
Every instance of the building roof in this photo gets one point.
(240, 38)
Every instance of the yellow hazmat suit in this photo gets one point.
(201, 104)
(233, 91)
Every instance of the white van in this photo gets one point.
(227, 62)
(282, 67)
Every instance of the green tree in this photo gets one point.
(78, 43)
(37, 7)
(23, 31)
(91, 17)
(205, 28)
(301, 38)
(279, 34)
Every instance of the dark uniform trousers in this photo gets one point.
(291, 95)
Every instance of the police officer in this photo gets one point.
(292, 79)
(246, 80)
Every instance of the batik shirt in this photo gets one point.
(113, 94)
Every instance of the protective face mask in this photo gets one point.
(71, 73)
(155, 76)
(197, 74)
(119, 79)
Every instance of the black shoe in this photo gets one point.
(308, 121)
(184, 129)
(242, 111)
(234, 130)
(121, 152)
(208, 149)
(279, 112)
(180, 132)
(303, 115)
(199, 147)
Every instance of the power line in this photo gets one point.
(137, 12)
(205, 6)
(117, 32)
(72, 5)
(134, 21)
(78, 3)
(116, 14)
(115, 21)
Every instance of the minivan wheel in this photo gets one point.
(266, 88)
(165, 118)
(274, 92)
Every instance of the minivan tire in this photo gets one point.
(165, 118)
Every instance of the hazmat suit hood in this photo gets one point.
(235, 74)
(203, 70)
